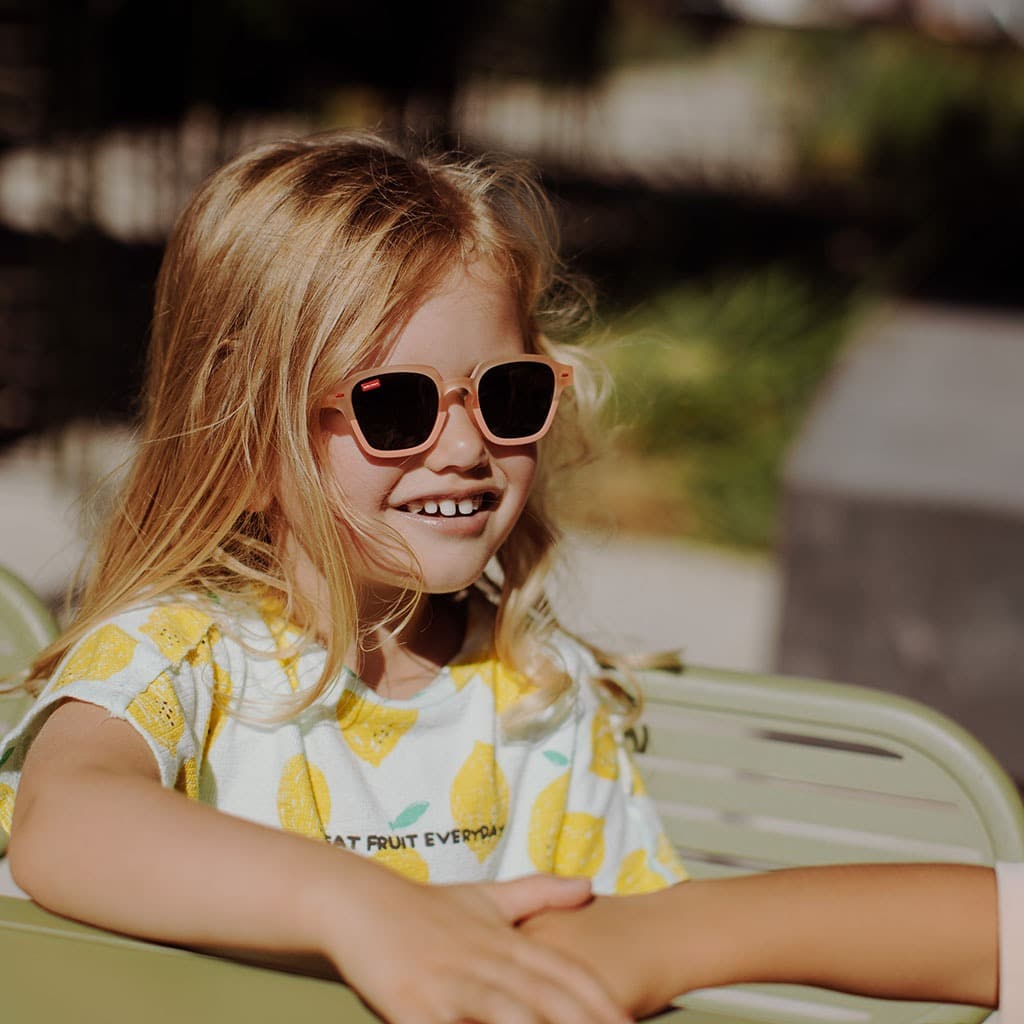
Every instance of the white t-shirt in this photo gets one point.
(430, 785)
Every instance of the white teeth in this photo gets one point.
(447, 507)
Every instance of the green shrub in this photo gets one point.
(717, 375)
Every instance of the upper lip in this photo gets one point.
(452, 494)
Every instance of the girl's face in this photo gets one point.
(471, 319)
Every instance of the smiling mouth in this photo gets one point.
(449, 508)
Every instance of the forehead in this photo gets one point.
(470, 318)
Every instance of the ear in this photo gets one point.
(332, 421)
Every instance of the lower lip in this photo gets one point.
(452, 526)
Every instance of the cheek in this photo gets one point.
(519, 467)
(363, 483)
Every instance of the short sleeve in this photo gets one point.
(152, 667)
(610, 831)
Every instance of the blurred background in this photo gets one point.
(803, 219)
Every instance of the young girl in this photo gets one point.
(318, 613)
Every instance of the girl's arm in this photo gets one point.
(913, 931)
(97, 837)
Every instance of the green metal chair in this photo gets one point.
(750, 773)
(26, 626)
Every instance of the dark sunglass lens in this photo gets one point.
(395, 410)
(515, 398)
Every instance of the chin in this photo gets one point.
(450, 580)
(449, 584)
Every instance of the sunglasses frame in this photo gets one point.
(341, 400)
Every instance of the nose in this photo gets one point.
(460, 445)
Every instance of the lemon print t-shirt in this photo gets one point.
(430, 786)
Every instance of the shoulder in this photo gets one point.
(152, 637)
(575, 657)
(580, 665)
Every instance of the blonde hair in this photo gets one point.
(289, 268)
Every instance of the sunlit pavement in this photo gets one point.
(645, 594)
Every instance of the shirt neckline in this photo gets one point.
(477, 646)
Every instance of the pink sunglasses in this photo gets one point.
(395, 411)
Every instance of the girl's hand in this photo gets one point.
(427, 954)
(614, 937)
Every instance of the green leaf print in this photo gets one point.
(556, 758)
(7, 754)
(409, 816)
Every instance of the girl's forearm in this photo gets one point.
(912, 931)
(150, 863)
(96, 837)
(900, 931)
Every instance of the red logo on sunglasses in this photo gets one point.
(370, 385)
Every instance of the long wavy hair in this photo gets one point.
(290, 267)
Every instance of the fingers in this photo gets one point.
(568, 992)
(552, 1005)
(526, 997)
(463, 960)
(523, 897)
(499, 997)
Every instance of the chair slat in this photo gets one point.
(782, 747)
(827, 807)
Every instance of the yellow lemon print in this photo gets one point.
(272, 610)
(6, 807)
(462, 675)
(103, 653)
(303, 799)
(188, 780)
(635, 875)
(479, 800)
(222, 687)
(580, 849)
(406, 862)
(290, 671)
(546, 822)
(506, 686)
(370, 730)
(202, 653)
(158, 711)
(604, 759)
(284, 634)
(176, 629)
(666, 855)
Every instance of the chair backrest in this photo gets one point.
(753, 773)
(26, 626)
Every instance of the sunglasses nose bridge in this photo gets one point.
(457, 384)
